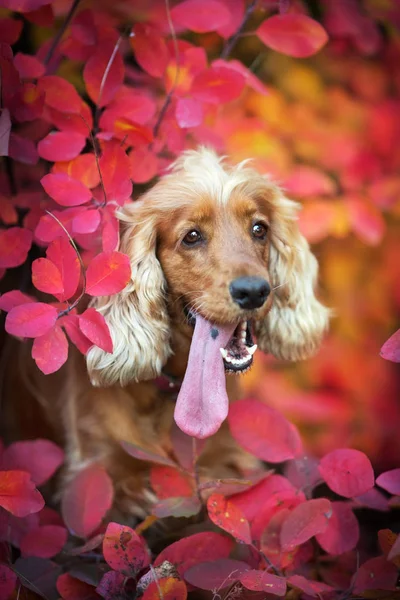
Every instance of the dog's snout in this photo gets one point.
(249, 292)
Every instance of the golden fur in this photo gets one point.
(150, 330)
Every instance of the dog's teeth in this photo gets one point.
(224, 353)
(243, 336)
(252, 349)
(229, 359)
(243, 326)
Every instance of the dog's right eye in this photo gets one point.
(192, 237)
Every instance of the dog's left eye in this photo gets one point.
(192, 237)
(259, 231)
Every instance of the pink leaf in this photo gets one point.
(189, 112)
(64, 256)
(144, 165)
(305, 521)
(14, 298)
(261, 581)
(124, 550)
(23, 149)
(50, 351)
(229, 517)
(40, 458)
(308, 181)
(70, 588)
(272, 487)
(60, 94)
(150, 49)
(390, 481)
(312, 588)
(102, 79)
(391, 348)
(251, 80)
(15, 244)
(8, 581)
(61, 145)
(294, 34)
(201, 15)
(177, 507)
(94, 327)
(217, 85)
(217, 574)
(342, 532)
(143, 454)
(111, 585)
(87, 222)
(31, 320)
(46, 277)
(71, 326)
(65, 190)
(108, 273)
(375, 574)
(347, 472)
(28, 67)
(263, 431)
(86, 500)
(18, 494)
(45, 542)
(367, 221)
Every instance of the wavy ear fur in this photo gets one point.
(137, 316)
(294, 326)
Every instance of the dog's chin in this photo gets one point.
(238, 352)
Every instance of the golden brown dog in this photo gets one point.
(210, 244)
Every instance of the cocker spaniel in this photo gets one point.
(219, 267)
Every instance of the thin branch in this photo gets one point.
(96, 156)
(234, 38)
(83, 272)
(171, 92)
(61, 32)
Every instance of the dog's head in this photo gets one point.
(219, 242)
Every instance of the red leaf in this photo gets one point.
(44, 542)
(5, 130)
(342, 532)
(115, 169)
(108, 273)
(71, 326)
(251, 501)
(143, 454)
(283, 500)
(63, 255)
(80, 123)
(150, 49)
(217, 574)
(50, 351)
(86, 500)
(237, 13)
(144, 165)
(8, 212)
(251, 80)
(94, 327)
(65, 190)
(177, 507)
(61, 145)
(229, 517)
(14, 298)
(31, 320)
(83, 168)
(87, 222)
(261, 581)
(390, 481)
(8, 581)
(201, 15)
(15, 244)
(46, 277)
(102, 79)
(167, 588)
(305, 521)
(306, 181)
(18, 494)
(347, 472)
(111, 585)
(70, 588)
(195, 549)
(375, 574)
(189, 112)
(40, 458)
(60, 94)
(312, 588)
(293, 34)
(134, 104)
(367, 221)
(217, 85)
(28, 67)
(23, 150)
(263, 431)
(10, 30)
(91, 544)
(391, 348)
(124, 550)
(167, 482)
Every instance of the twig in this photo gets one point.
(234, 38)
(171, 92)
(96, 156)
(60, 32)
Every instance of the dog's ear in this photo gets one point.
(137, 317)
(294, 327)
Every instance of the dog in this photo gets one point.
(219, 267)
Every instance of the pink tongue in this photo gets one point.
(202, 404)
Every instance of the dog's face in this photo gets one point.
(221, 242)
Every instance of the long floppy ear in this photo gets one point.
(294, 326)
(137, 317)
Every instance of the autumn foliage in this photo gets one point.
(97, 99)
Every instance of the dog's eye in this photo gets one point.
(192, 237)
(259, 231)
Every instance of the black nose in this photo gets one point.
(249, 292)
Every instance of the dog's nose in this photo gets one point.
(249, 292)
